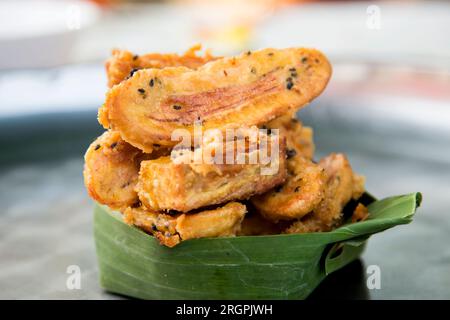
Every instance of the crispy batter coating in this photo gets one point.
(111, 170)
(221, 222)
(246, 90)
(300, 194)
(256, 225)
(123, 63)
(224, 221)
(340, 189)
(166, 184)
(162, 226)
(360, 213)
(299, 139)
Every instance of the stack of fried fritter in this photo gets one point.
(132, 168)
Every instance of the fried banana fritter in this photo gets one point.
(246, 90)
(299, 139)
(165, 184)
(341, 187)
(222, 222)
(170, 230)
(256, 225)
(303, 190)
(111, 170)
(360, 213)
(123, 63)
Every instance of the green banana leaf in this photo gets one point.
(132, 263)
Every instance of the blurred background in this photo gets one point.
(387, 106)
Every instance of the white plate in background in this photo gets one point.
(41, 33)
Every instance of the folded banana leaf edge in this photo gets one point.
(134, 264)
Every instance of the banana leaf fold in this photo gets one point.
(133, 263)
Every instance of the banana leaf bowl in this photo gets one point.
(134, 264)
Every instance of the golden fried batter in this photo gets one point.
(360, 213)
(256, 225)
(170, 230)
(123, 63)
(221, 222)
(246, 90)
(111, 170)
(300, 194)
(165, 184)
(340, 188)
(299, 139)
(162, 226)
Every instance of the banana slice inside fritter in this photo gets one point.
(224, 221)
(123, 63)
(246, 90)
(300, 194)
(111, 170)
(165, 184)
(299, 139)
(341, 186)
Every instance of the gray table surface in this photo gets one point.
(46, 217)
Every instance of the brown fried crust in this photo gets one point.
(253, 90)
(340, 188)
(123, 63)
(256, 225)
(111, 170)
(224, 221)
(299, 139)
(167, 185)
(300, 194)
(360, 213)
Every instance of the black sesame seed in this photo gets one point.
(152, 82)
(172, 212)
(156, 145)
(154, 228)
(249, 52)
(289, 83)
(141, 90)
(97, 147)
(290, 153)
(253, 70)
(132, 72)
(113, 145)
(297, 189)
(176, 107)
(137, 204)
(135, 57)
(292, 69)
(294, 74)
(304, 59)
